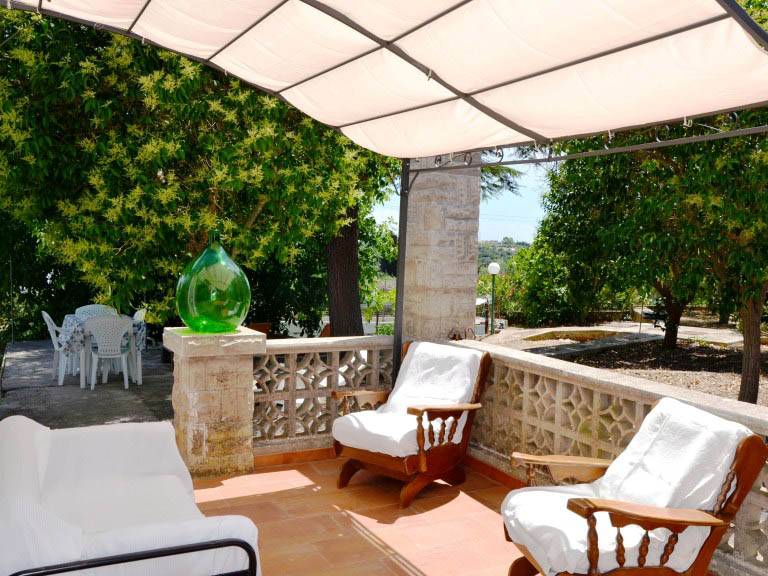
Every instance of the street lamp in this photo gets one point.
(493, 270)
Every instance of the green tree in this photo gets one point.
(25, 253)
(124, 155)
(619, 219)
(678, 214)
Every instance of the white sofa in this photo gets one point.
(86, 493)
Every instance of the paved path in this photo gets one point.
(28, 389)
(727, 337)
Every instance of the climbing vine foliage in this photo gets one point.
(122, 156)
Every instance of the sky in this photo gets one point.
(512, 215)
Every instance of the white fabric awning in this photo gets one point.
(411, 78)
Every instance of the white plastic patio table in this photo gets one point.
(74, 337)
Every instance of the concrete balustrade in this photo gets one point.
(541, 405)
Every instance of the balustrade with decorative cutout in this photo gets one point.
(539, 405)
(294, 380)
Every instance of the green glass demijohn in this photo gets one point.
(213, 293)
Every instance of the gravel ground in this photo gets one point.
(701, 367)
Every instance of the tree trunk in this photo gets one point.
(674, 309)
(674, 313)
(724, 314)
(751, 312)
(724, 306)
(343, 271)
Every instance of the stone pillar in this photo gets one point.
(441, 251)
(213, 398)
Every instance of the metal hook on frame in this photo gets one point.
(610, 136)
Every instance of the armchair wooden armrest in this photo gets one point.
(622, 514)
(647, 517)
(579, 468)
(444, 438)
(444, 411)
(368, 396)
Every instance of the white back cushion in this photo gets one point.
(114, 450)
(31, 535)
(679, 458)
(435, 374)
(23, 455)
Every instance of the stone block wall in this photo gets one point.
(441, 251)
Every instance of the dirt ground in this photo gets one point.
(532, 344)
(702, 367)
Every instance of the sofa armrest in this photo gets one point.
(138, 538)
(579, 468)
(368, 396)
(78, 565)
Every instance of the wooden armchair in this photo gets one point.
(413, 441)
(643, 537)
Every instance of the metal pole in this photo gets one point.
(400, 284)
(493, 303)
(13, 318)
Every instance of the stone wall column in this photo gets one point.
(213, 398)
(441, 251)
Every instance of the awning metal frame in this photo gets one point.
(721, 135)
(731, 7)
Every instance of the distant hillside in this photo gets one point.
(496, 251)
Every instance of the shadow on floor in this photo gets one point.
(308, 526)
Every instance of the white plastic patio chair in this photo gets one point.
(141, 344)
(60, 358)
(76, 495)
(91, 310)
(108, 333)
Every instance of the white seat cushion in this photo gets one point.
(387, 433)
(538, 519)
(679, 458)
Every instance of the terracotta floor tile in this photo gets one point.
(308, 526)
(289, 561)
(258, 512)
(375, 568)
(352, 549)
(281, 534)
(476, 481)
(492, 497)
